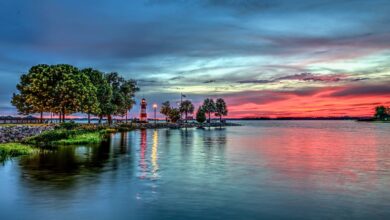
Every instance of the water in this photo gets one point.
(265, 169)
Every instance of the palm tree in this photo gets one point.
(209, 107)
(166, 109)
(220, 108)
(186, 107)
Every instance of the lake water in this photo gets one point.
(265, 169)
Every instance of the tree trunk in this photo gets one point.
(126, 117)
(41, 119)
(109, 119)
(186, 116)
(209, 119)
(59, 117)
(89, 118)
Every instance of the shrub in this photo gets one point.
(50, 136)
(68, 125)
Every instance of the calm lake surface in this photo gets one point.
(265, 169)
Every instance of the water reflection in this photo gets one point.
(143, 147)
(247, 172)
(155, 154)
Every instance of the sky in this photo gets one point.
(265, 58)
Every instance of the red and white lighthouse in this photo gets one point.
(143, 115)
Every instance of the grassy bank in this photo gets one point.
(14, 149)
(66, 137)
(86, 138)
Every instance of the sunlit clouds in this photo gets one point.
(266, 58)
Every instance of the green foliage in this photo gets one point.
(14, 149)
(63, 89)
(220, 108)
(123, 92)
(68, 125)
(200, 115)
(34, 90)
(48, 137)
(186, 107)
(165, 109)
(87, 138)
(80, 135)
(382, 113)
(209, 107)
(174, 115)
(103, 92)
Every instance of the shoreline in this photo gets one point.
(22, 139)
(17, 132)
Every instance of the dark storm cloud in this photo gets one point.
(363, 90)
(305, 77)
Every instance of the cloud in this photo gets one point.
(363, 90)
(305, 77)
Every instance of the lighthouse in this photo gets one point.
(143, 115)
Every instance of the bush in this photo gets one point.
(68, 125)
(50, 136)
(87, 138)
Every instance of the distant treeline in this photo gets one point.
(64, 89)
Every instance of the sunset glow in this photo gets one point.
(266, 58)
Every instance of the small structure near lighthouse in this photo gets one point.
(143, 115)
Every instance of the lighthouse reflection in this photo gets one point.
(143, 147)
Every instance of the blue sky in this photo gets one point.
(262, 56)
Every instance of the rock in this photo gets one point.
(18, 132)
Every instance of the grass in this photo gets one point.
(87, 138)
(14, 149)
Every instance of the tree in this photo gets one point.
(381, 112)
(123, 92)
(200, 115)
(103, 92)
(209, 107)
(33, 91)
(174, 115)
(220, 108)
(128, 89)
(165, 109)
(186, 107)
(71, 90)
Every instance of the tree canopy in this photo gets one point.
(209, 107)
(186, 107)
(64, 89)
(382, 113)
(200, 115)
(165, 109)
(220, 108)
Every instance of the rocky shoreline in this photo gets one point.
(15, 133)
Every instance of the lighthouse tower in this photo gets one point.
(143, 115)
